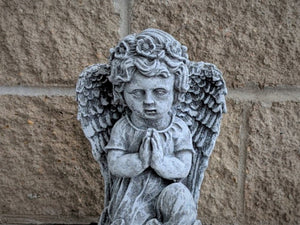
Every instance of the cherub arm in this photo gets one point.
(173, 167)
(123, 164)
(170, 167)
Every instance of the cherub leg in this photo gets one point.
(176, 206)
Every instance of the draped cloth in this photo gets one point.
(148, 199)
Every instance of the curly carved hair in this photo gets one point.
(152, 53)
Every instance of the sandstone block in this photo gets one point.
(253, 43)
(46, 164)
(50, 42)
(272, 190)
(219, 193)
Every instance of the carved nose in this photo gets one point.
(148, 99)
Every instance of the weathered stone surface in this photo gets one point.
(253, 43)
(272, 182)
(46, 164)
(50, 42)
(219, 193)
(148, 147)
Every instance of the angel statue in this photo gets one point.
(152, 118)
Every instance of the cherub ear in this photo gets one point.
(178, 97)
(118, 93)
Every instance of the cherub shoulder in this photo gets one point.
(180, 125)
(121, 123)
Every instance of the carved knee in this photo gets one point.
(176, 203)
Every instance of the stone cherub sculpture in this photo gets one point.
(152, 118)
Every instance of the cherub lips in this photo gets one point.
(150, 111)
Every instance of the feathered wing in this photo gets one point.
(202, 109)
(97, 113)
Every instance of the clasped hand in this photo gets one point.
(151, 149)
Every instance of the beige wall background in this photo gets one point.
(47, 173)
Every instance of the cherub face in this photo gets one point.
(149, 97)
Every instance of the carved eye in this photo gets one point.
(137, 93)
(160, 92)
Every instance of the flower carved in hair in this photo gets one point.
(121, 51)
(146, 47)
(184, 52)
(152, 117)
(174, 49)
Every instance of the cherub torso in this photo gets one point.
(134, 199)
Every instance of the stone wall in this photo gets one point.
(47, 172)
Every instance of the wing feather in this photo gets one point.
(202, 110)
(97, 114)
(96, 110)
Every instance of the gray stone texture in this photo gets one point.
(46, 164)
(254, 43)
(272, 190)
(49, 42)
(154, 156)
(251, 42)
